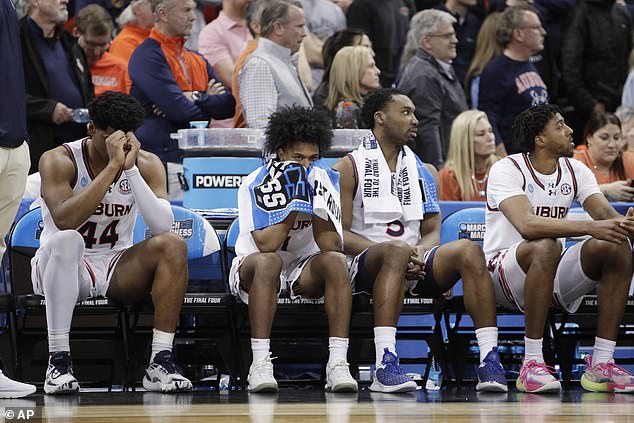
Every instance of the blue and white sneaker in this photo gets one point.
(59, 375)
(491, 374)
(389, 377)
(163, 375)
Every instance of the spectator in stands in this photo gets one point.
(627, 99)
(222, 41)
(343, 4)
(392, 233)
(487, 48)
(430, 81)
(471, 155)
(300, 252)
(510, 83)
(612, 167)
(595, 51)
(86, 251)
(352, 76)
(339, 40)
(626, 116)
(386, 22)
(528, 197)
(269, 78)
(57, 78)
(14, 148)
(467, 26)
(174, 85)
(136, 21)
(93, 31)
(323, 19)
(114, 7)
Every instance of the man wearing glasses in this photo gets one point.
(94, 32)
(430, 81)
(510, 83)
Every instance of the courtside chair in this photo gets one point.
(94, 319)
(207, 313)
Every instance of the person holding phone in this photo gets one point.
(612, 167)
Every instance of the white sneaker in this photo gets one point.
(338, 377)
(59, 375)
(163, 375)
(261, 376)
(10, 388)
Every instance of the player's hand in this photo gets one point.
(115, 146)
(215, 88)
(611, 230)
(61, 114)
(415, 266)
(619, 191)
(131, 148)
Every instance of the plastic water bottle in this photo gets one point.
(224, 384)
(435, 379)
(81, 115)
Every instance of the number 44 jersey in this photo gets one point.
(111, 225)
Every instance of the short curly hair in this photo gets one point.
(530, 123)
(293, 124)
(376, 101)
(117, 111)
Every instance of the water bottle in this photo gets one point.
(81, 115)
(435, 379)
(224, 384)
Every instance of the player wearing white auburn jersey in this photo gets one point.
(388, 249)
(528, 196)
(91, 190)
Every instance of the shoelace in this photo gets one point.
(393, 367)
(62, 365)
(612, 369)
(265, 363)
(494, 366)
(168, 363)
(541, 368)
(340, 367)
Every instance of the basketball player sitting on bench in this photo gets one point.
(92, 189)
(284, 245)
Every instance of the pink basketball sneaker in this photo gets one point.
(537, 377)
(606, 377)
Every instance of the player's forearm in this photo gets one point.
(326, 236)
(272, 238)
(537, 227)
(72, 212)
(157, 212)
(354, 244)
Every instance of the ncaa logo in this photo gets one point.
(531, 188)
(565, 189)
(124, 186)
(83, 181)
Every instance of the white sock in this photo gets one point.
(338, 349)
(603, 350)
(487, 339)
(533, 350)
(58, 340)
(260, 348)
(161, 341)
(384, 337)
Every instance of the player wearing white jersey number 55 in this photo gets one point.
(528, 196)
(92, 189)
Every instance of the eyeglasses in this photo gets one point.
(446, 36)
(537, 27)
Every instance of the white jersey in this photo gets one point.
(550, 195)
(111, 226)
(300, 241)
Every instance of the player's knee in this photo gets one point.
(546, 251)
(267, 264)
(68, 246)
(334, 264)
(470, 254)
(171, 248)
(395, 254)
(620, 254)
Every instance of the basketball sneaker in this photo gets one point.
(163, 375)
(10, 388)
(491, 374)
(389, 377)
(338, 377)
(606, 377)
(261, 376)
(59, 375)
(537, 377)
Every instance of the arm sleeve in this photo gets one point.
(257, 93)
(157, 212)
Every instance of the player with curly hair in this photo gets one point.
(92, 189)
(283, 244)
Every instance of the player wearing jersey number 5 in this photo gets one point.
(528, 197)
(92, 189)
(284, 245)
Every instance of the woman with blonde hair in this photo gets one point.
(353, 75)
(470, 157)
(487, 48)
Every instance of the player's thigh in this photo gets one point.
(133, 274)
(315, 271)
(571, 281)
(449, 258)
